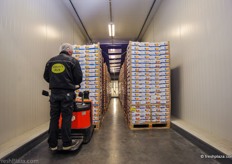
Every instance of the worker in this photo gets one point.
(63, 73)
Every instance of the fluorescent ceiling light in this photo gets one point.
(114, 56)
(114, 50)
(113, 65)
(115, 61)
(114, 68)
(111, 29)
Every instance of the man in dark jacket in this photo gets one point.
(63, 73)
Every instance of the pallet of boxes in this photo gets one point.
(148, 85)
(121, 86)
(106, 88)
(123, 89)
(90, 59)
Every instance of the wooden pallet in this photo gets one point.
(97, 125)
(147, 126)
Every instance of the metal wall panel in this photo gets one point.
(31, 32)
(200, 39)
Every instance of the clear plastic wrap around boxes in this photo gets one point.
(90, 59)
(148, 87)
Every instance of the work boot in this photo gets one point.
(53, 148)
(74, 143)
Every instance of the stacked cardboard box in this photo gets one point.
(90, 59)
(120, 85)
(122, 93)
(148, 83)
(106, 88)
(123, 89)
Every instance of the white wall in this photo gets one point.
(200, 38)
(31, 32)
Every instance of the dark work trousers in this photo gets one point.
(61, 102)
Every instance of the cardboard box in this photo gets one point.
(163, 52)
(136, 52)
(140, 118)
(96, 66)
(90, 55)
(93, 59)
(134, 43)
(78, 51)
(92, 74)
(92, 79)
(93, 46)
(160, 110)
(166, 43)
(156, 114)
(160, 117)
(92, 62)
(92, 71)
(160, 121)
(92, 86)
(92, 51)
(78, 47)
(92, 83)
(139, 121)
(142, 114)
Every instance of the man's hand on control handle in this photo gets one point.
(77, 86)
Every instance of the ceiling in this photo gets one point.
(131, 19)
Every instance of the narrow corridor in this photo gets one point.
(115, 143)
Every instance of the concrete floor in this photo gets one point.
(114, 143)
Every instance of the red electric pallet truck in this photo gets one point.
(82, 126)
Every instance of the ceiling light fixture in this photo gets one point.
(111, 29)
(115, 61)
(114, 50)
(113, 65)
(115, 56)
(114, 68)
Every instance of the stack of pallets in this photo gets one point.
(106, 88)
(148, 85)
(90, 59)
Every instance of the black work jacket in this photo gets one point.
(63, 72)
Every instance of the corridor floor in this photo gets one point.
(114, 143)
